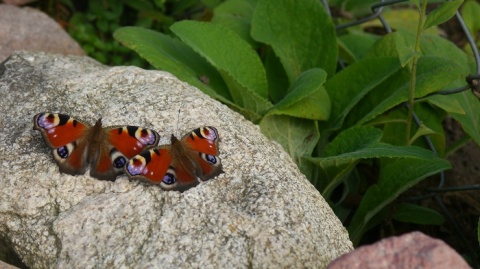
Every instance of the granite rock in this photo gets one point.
(261, 213)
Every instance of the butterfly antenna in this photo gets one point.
(178, 119)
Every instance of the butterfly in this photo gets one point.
(77, 145)
(182, 164)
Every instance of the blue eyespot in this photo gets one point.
(169, 179)
(211, 159)
(119, 162)
(63, 152)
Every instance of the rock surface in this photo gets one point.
(30, 29)
(261, 213)
(413, 250)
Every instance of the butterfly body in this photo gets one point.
(182, 164)
(76, 145)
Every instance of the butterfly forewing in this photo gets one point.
(59, 129)
(131, 140)
(204, 139)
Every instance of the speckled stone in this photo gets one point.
(412, 250)
(261, 213)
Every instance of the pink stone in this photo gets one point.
(413, 250)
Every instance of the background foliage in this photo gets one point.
(340, 101)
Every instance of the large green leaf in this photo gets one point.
(471, 120)
(411, 213)
(235, 15)
(470, 11)
(298, 137)
(300, 32)
(242, 70)
(394, 127)
(355, 44)
(447, 103)
(355, 144)
(442, 13)
(433, 74)
(349, 86)
(169, 54)
(395, 178)
(278, 84)
(307, 98)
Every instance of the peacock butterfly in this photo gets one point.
(77, 145)
(182, 164)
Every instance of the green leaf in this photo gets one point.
(470, 121)
(405, 42)
(353, 139)
(242, 71)
(216, 43)
(450, 105)
(376, 150)
(395, 178)
(298, 137)
(300, 32)
(442, 13)
(395, 123)
(165, 53)
(355, 44)
(411, 213)
(277, 78)
(415, 2)
(235, 15)
(307, 98)
(355, 144)
(350, 85)
(470, 11)
(423, 130)
(404, 18)
(433, 74)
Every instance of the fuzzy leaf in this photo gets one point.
(169, 54)
(411, 213)
(442, 13)
(300, 32)
(350, 85)
(298, 137)
(242, 71)
(355, 144)
(307, 98)
(395, 178)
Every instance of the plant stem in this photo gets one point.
(411, 99)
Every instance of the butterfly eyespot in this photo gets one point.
(119, 162)
(169, 179)
(210, 159)
(62, 152)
